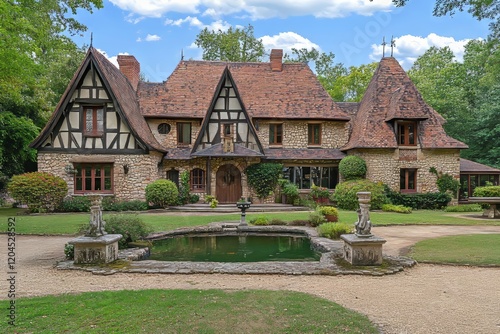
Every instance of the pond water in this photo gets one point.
(231, 248)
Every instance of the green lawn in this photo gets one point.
(476, 249)
(70, 222)
(184, 311)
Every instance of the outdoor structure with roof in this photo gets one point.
(113, 134)
(473, 174)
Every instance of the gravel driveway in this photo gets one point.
(423, 299)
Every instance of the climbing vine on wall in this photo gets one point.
(263, 177)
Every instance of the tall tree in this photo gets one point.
(231, 45)
(351, 85)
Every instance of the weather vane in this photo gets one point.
(383, 47)
(393, 45)
(91, 38)
(182, 54)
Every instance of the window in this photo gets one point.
(304, 177)
(314, 134)
(93, 178)
(164, 128)
(184, 133)
(408, 180)
(275, 134)
(407, 134)
(197, 179)
(94, 121)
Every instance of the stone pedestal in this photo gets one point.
(96, 250)
(362, 251)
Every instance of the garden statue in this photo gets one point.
(363, 225)
(97, 225)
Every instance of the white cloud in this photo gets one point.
(192, 21)
(113, 59)
(149, 38)
(408, 48)
(287, 41)
(255, 9)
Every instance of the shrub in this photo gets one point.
(194, 198)
(263, 177)
(290, 190)
(214, 203)
(40, 191)
(131, 227)
(277, 221)
(298, 222)
(162, 193)
(446, 182)
(464, 208)
(319, 192)
(69, 251)
(75, 204)
(334, 230)
(330, 213)
(396, 208)
(184, 187)
(316, 218)
(427, 201)
(260, 221)
(346, 198)
(489, 191)
(352, 167)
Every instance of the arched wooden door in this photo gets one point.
(228, 184)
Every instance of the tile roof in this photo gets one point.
(468, 166)
(391, 95)
(293, 92)
(303, 154)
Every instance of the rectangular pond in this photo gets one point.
(234, 248)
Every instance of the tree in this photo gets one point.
(231, 45)
(351, 84)
(480, 9)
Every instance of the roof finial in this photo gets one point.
(91, 38)
(393, 45)
(182, 54)
(383, 47)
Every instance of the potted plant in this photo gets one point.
(331, 214)
(319, 194)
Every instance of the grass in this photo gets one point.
(185, 311)
(68, 223)
(475, 249)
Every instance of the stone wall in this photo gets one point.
(169, 140)
(333, 134)
(142, 170)
(384, 165)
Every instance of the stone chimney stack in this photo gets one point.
(131, 68)
(276, 60)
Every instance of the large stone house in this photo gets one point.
(112, 133)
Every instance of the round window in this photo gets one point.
(164, 128)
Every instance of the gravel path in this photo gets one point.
(423, 299)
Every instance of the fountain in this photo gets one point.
(363, 248)
(243, 205)
(96, 246)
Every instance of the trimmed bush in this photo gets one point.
(489, 191)
(40, 191)
(346, 198)
(263, 177)
(352, 167)
(75, 204)
(464, 208)
(110, 204)
(334, 230)
(396, 208)
(131, 227)
(427, 201)
(162, 193)
(260, 221)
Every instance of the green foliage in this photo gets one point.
(334, 230)
(213, 203)
(69, 251)
(331, 213)
(464, 208)
(490, 191)
(131, 227)
(260, 221)
(396, 208)
(346, 198)
(235, 44)
(298, 222)
(263, 177)
(75, 204)
(194, 198)
(184, 188)
(319, 192)
(427, 201)
(290, 190)
(110, 204)
(40, 191)
(277, 221)
(446, 182)
(162, 193)
(316, 218)
(351, 83)
(352, 167)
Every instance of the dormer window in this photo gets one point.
(275, 134)
(94, 121)
(407, 133)
(183, 133)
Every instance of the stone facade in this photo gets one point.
(142, 170)
(383, 165)
(169, 140)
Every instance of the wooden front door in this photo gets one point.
(228, 184)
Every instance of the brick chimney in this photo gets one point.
(276, 60)
(131, 68)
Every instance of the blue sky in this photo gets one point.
(157, 31)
